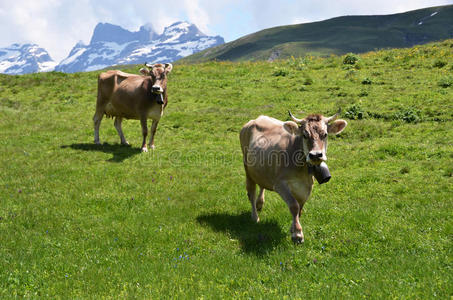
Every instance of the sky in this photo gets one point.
(57, 25)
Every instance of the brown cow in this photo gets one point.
(277, 156)
(122, 95)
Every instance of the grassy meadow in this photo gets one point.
(79, 220)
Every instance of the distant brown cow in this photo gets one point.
(122, 95)
(277, 156)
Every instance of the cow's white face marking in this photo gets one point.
(314, 142)
(315, 130)
(158, 73)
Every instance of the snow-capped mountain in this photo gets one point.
(25, 58)
(113, 45)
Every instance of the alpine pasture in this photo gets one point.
(79, 220)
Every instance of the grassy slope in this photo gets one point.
(338, 35)
(79, 220)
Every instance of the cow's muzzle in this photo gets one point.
(315, 157)
(156, 89)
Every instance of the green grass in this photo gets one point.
(337, 35)
(79, 220)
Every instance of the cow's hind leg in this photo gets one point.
(295, 208)
(119, 129)
(251, 193)
(144, 124)
(260, 200)
(97, 118)
(153, 132)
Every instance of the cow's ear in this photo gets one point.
(168, 68)
(337, 126)
(144, 71)
(291, 127)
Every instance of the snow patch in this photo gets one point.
(189, 48)
(175, 31)
(72, 58)
(47, 66)
(7, 54)
(5, 65)
(425, 18)
(95, 67)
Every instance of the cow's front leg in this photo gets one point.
(153, 132)
(296, 229)
(251, 193)
(144, 124)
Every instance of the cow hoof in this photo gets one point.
(297, 239)
(126, 143)
(145, 149)
(97, 142)
(255, 217)
(152, 147)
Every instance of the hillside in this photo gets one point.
(340, 35)
(79, 220)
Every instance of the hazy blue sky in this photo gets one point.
(57, 25)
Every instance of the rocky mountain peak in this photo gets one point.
(111, 45)
(106, 32)
(25, 58)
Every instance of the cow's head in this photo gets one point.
(158, 74)
(313, 131)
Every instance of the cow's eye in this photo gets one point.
(323, 135)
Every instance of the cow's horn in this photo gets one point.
(168, 67)
(294, 118)
(334, 117)
(148, 65)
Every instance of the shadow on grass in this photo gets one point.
(256, 238)
(120, 152)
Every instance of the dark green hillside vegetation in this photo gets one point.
(79, 220)
(338, 35)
